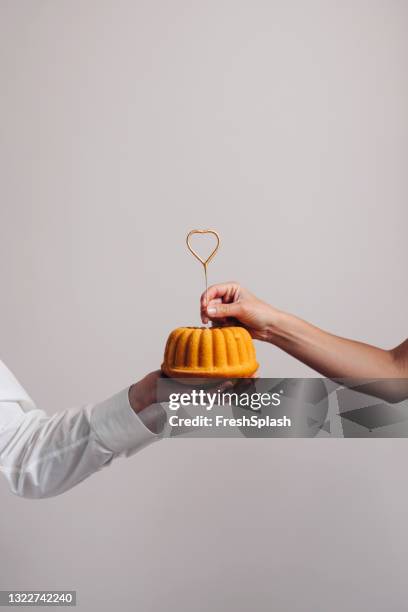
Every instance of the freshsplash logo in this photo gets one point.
(207, 400)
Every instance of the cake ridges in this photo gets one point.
(210, 352)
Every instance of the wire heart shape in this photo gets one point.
(205, 262)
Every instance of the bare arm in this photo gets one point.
(330, 355)
(333, 356)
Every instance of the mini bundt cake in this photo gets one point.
(214, 352)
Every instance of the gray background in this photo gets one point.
(123, 125)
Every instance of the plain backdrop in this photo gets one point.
(284, 126)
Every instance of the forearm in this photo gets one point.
(43, 456)
(331, 355)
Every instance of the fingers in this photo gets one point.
(204, 316)
(228, 384)
(225, 292)
(217, 311)
(174, 386)
(155, 374)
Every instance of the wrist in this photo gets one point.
(136, 398)
(278, 326)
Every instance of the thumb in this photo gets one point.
(219, 311)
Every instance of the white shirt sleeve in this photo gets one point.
(42, 455)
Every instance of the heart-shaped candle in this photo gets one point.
(205, 262)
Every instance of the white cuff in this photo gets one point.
(118, 427)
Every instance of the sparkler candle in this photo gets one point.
(204, 262)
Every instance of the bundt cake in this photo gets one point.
(214, 352)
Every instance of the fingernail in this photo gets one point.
(211, 310)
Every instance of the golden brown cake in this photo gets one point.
(214, 352)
